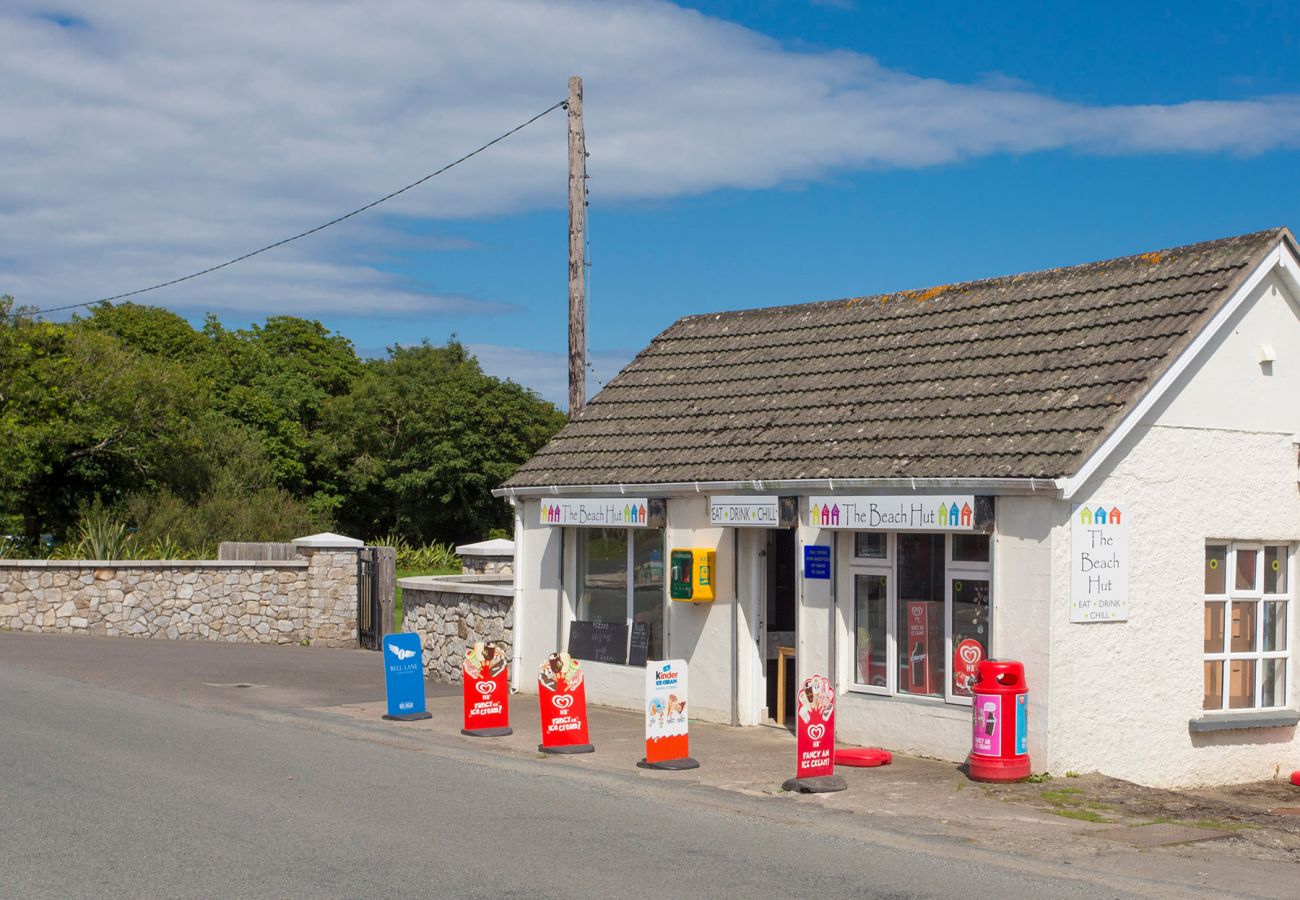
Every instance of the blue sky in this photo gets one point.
(742, 154)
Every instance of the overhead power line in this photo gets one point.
(310, 231)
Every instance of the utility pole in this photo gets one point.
(577, 254)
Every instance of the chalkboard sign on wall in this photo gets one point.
(640, 644)
(598, 641)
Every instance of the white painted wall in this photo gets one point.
(537, 581)
(700, 633)
(1216, 459)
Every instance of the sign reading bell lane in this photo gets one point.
(902, 513)
(595, 512)
(745, 512)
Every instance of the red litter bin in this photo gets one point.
(1000, 733)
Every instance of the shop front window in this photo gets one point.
(1247, 605)
(920, 613)
(620, 584)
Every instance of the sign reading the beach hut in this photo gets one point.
(893, 513)
(1099, 563)
(745, 512)
(595, 512)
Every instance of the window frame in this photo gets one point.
(629, 584)
(888, 567)
(1232, 595)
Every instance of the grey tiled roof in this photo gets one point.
(1022, 376)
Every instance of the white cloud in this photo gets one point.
(158, 138)
(547, 372)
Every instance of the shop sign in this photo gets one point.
(563, 701)
(1099, 563)
(815, 736)
(596, 512)
(665, 724)
(486, 687)
(404, 674)
(745, 512)
(816, 561)
(894, 513)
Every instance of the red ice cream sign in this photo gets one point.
(815, 736)
(487, 688)
(562, 698)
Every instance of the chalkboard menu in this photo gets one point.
(640, 644)
(598, 641)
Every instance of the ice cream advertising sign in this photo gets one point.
(1099, 563)
(665, 724)
(815, 738)
(486, 678)
(562, 699)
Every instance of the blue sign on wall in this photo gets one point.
(816, 561)
(404, 676)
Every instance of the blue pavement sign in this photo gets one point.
(816, 561)
(404, 677)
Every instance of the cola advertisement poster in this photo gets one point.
(486, 676)
(562, 699)
(815, 736)
(665, 726)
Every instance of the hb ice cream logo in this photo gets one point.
(562, 701)
(486, 687)
(816, 732)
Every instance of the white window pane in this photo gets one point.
(870, 597)
(1275, 570)
(871, 545)
(1275, 625)
(1246, 565)
(1216, 568)
(1273, 688)
(602, 575)
(1214, 612)
(648, 588)
(970, 632)
(1243, 625)
(922, 662)
(1213, 685)
(1241, 684)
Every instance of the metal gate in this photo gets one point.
(370, 629)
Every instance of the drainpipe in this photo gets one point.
(735, 627)
(518, 610)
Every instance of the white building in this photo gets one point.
(962, 453)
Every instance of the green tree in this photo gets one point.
(422, 439)
(81, 417)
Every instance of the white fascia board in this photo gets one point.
(1280, 258)
(1019, 486)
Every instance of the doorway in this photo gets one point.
(780, 625)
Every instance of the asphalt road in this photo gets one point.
(168, 782)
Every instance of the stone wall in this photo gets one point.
(308, 600)
(452, 613)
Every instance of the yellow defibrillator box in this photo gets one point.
(691, 574)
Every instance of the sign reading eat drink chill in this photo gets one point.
(1099, 563)
(905, 513)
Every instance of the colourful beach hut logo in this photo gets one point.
(1100, 516)
(824, 515)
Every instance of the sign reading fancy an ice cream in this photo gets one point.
(486, 677)
(816, 728)
(562, 699)
(665, 724)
